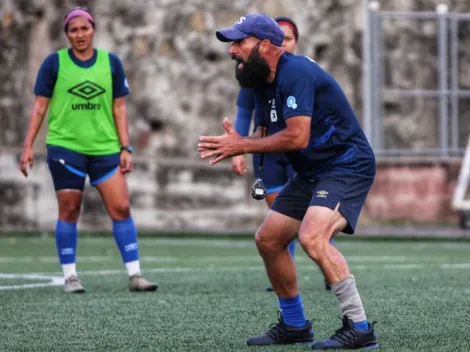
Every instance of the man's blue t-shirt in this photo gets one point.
(337, 143)
(47, 75)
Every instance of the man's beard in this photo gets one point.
(254, 72)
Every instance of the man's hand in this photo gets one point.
(126, 162)
(218, 148)
(239, 165)
(26, 159)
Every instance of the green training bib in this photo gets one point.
(81, 107)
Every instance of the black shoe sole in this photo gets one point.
(76, 292)
(296, 343)
(370, 347)
(148, 289)
(304, 343)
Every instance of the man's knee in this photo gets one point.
(315, 234)
(275, 234)
(267, 243)
(313, 243)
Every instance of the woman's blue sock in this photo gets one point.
(66, 241)
(125, 235)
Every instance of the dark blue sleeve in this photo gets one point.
(246, 99)
(245, 106)
(47, 76)
(243, 121)
(298, 91)
(120, 85)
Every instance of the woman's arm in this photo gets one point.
(121, 120)
(36, 117)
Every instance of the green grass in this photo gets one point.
(212, 296)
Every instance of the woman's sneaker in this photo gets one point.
(73, 285)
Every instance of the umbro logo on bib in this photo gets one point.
(86, 90)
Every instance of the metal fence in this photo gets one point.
(447, 93)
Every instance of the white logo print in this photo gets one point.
(273, 112)
(241, 20)
(130, 247)
(126, 84)
(322, 194)
(291, 102)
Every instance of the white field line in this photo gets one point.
(204, 259)
(52, 281)
(20, 287)
(456, 266)
(55, 280)
(225, 243)
(93, 259)
(154, 242)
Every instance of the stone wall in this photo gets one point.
(182, 86)
(413, 192)
(182, 80)
(188, 196)
(164, 196)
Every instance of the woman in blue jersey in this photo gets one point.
(277, 170)
(85, 91)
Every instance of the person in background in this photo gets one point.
(85, 91)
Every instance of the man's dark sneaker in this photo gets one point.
(349, 338)
(282, 334)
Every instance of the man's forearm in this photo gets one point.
(282, 141)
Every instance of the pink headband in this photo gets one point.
(78, 13)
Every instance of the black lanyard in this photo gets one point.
(264, 123)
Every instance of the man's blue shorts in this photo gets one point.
(69, 168)
(277, 171)
(349, 190)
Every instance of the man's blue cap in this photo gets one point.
(256, 25)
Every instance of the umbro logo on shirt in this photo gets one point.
(86, 90)
(322, 194)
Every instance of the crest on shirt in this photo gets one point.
(291, 103)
